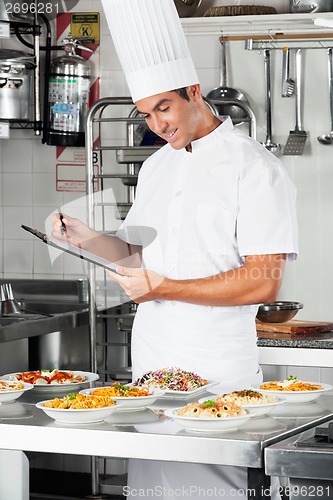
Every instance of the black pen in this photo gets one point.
(62, 227)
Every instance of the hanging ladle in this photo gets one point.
(328, 139)
(269, 144)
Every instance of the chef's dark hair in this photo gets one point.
(183, 93)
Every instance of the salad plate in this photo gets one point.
(75, 379)
(172, 394)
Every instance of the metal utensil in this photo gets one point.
(297, 138)
(328, 139)
(8, 305)
(269, 144)
(288, 84)
(223, 92)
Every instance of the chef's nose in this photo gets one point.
(158, 125)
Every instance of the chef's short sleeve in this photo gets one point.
(267, 222)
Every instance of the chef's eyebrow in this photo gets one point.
(158, 104)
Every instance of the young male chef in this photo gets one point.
(223, 210)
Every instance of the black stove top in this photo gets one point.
(323, 438)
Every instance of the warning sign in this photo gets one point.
(85, 26)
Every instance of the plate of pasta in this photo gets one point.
(53, 380)
(293, 390)
(255, 402)
(76, 408)
(209, 416)
(132, 398)
(12, 390)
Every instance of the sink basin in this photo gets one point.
(31, 307)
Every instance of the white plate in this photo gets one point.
(297, 396)
(131, 403)
(88, 377)
(258, 410)
(10, 395)
(207, 424)
(69, 416)
(169, 394)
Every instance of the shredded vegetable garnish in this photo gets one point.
(118, 390)
(79, 402)
(174, 379)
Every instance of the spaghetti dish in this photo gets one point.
(174, 379)
(212, 409)
(293, 385)
(79, 402)
(248, 397)
(44, 377)
(118, 390)
(11, 386)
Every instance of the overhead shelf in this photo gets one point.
(319, 26)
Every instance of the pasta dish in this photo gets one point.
(44, 377)
(79, 402)
(248, 397)
(10, 386)
(118, 390)
(291, 385)
(212, 409)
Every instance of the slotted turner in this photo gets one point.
(297, 138)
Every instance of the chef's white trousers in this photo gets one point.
(178, 481)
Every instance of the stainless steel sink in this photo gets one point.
(49, 308)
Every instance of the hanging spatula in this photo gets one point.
(297, 138)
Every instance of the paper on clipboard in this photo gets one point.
(72, 249)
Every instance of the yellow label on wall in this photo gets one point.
(85, 26)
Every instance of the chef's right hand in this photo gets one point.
(71, 229)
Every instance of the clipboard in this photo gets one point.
(72, 249)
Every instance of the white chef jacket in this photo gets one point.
(227, 199)
(209, 208)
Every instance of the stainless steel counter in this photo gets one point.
(148, 435)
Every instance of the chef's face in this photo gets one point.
(174, 118)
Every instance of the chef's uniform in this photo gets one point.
(227, 199)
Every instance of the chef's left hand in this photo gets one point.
(141, 285)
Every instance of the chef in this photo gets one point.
(223, 211)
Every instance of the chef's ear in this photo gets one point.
(194, 91)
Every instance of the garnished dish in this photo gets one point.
(53, 379)
(174, 381)
(294, 390)
(78, 408)
(210, 416)
(256, 403)
(132, 398)
(11, 390)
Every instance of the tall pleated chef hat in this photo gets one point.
(151, 46)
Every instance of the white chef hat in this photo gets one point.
(151, 46)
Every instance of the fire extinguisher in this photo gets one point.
(68, 97)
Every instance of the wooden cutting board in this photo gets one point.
(295, 327)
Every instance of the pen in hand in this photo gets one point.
(62, 227)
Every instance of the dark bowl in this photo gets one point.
(278, 312)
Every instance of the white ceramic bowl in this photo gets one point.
(130, 403)
(297, 396)
(208, 424)
(255, 410)
(71, 416)
(9, 395)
